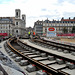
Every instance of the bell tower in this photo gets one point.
(24, 18)
(17, 14)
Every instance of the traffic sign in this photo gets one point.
(51, 32)
(51, 29)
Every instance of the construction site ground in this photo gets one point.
(67, 40)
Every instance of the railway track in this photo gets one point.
(42, 60)
(55, 46)
(64, 44)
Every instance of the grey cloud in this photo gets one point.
(49, 16)
(70, 1)
(60, 1)
(2, 1)
(53, 13)
(69, 14)
(32, 17)
(44, 9)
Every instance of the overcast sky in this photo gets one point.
(38, 9)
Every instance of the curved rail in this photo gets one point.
(48, 69)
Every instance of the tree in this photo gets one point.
(73, 29)
(65, 30)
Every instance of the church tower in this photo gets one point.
(17, 14)
(24, 19)
(19, 29)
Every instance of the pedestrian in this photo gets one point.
(29, 34)
(33, 34)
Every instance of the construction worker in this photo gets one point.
(10, 35)
(29, 34)
(33, 34)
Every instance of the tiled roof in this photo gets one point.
(68, 20)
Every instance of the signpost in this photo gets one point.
(51, 32)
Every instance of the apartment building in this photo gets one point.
(60, 25)
(6, 25)
(38, 27)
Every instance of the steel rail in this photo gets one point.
(49, 53)
(66, 45)
(55, 45)
(37, 63)
(41, 65)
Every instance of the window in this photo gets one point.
(6, 27)
(72, 22)
(43, 24)
(45, 29)
(16, 31)
(63, 21)
(16, 13)
(23, 18)
(3, 31)
(16, 23)
(9, 26)
(49, 24)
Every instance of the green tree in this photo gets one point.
(65, 30)
(73, 29)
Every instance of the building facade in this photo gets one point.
(6, 25)
(13, 26)
(38, 27)
(19, 28)
(61, 26)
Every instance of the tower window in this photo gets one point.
(16, 31)
(16, 23)
(16, 13)
(23, 18)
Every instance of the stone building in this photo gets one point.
(19, 27)
(6, 25)
(13, 26)
(41, 26)
(38, 27)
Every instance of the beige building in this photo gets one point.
(6, 25)
(59, 25)
(38, 27)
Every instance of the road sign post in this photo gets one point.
(51, 32)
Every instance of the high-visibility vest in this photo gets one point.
(33, 33)
(28, 32)
(11, 34)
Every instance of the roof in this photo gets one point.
(68, 20)
(5, 19)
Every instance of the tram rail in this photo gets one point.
(48, 69)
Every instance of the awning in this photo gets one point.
(3, 34)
